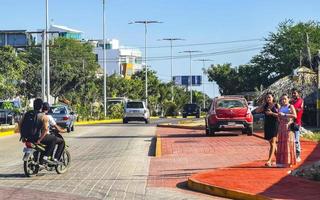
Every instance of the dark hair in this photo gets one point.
(37, 104)
(45, 106)
(267, 94)
(295, 90)
(285, 94)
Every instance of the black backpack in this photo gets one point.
(28, 126)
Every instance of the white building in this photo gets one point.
(60, 31)
(120, 60)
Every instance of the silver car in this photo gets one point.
(136, 111)
(63, 116)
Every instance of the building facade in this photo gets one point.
(120, 60)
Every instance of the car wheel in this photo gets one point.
(250, 131)
(72, 128)
(125, 121)
(12, 121)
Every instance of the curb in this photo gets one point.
(182, 127)
(222, 192)
(107, 121)
(158, 146)
(7, 133)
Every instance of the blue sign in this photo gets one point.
(185, 80)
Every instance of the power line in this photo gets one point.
(199, 44)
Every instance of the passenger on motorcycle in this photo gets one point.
(41, 125)
(52, 124)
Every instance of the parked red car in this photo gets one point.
(229, 113)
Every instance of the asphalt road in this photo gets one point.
(108, 162)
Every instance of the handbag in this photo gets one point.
(294, 127)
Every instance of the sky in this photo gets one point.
(211, 23)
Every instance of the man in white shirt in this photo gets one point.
(52, 123)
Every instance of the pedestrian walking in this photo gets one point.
(270, 110)
(286, 151)
(297, 103)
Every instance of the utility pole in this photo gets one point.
(190, 52)
(318, 89)
(47, 52)
(104, 62)
(43, 73)
(145, 22)
(308, 51)
(171, 41)
(204, 65)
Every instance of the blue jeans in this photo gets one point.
(297, 141)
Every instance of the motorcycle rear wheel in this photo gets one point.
(30, 167)
(65, 162)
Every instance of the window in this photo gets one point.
(134, 105)
(230, 103)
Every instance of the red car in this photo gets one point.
(229, 113)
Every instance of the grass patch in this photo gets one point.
(315, 137)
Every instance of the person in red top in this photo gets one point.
(297, 103)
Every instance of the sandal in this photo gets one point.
(268, 164)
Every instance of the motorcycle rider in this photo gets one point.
(41, 127)
(52, 123)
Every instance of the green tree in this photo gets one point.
(278, 58)
(72, 65)
(11, 70)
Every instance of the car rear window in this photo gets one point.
(134, 105)
(230, 103)
(192, 106)
(58, 110)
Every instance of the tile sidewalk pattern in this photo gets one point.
(186, 152)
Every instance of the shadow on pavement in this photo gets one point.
(152, 147)
(15, 175)
(115, 137)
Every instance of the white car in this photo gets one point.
(136, 111)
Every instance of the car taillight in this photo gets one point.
(249, 117)
(65, 118)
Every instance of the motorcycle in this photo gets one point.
(32, 158)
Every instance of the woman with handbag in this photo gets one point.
(286, 151)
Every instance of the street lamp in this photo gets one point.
(204, 96)
(171, 41)
(145, 22)
(47, 52)
(190, 52)
(104, 57)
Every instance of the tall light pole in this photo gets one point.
(145, 22)
(171, 41)
(47, 52)
(104, 57)
(204, 60)
(190, 52)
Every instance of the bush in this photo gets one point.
(115, 111)
(170, 109)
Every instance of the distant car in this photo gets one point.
(7, 117)
(63, 116)
(229, 113)
(136, 111)
(10, 116)
(191, 109)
